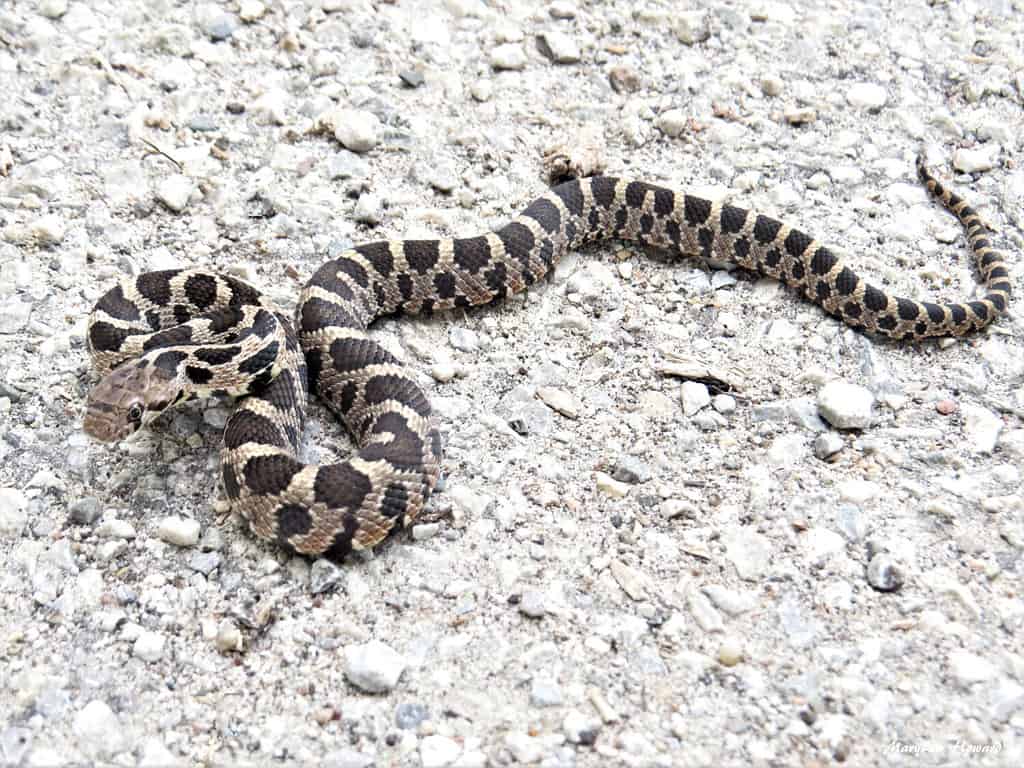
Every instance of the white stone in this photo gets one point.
(694, 396)
(438, 751)
(175, 191)
(149, 646)
(13, 512)
(609, 486)
(559, 47)
(14, 314)
(559, 400)
(845, 405)
(357, 129)
(98, 729)
(180, 531)
(508, 56)
(672, 122)
(373, 666)
(975, 160)
(53, 9)
(981, 427)
(368, 209)
(692, 27)
(858, 491)
(251, 10)
(271, 107)
(525, 749)
(48, 230)
(156, 755)
(867, 96)
(970, 668)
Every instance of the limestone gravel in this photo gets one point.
(617, 570)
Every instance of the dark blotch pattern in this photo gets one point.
(421, 255)
(545, 213)
(471, 253)
(603, 190)
(201, 290)
(766, 229)
(293, 520)
(696, 210)
(732, 219)
(117, 306)
(155, 286)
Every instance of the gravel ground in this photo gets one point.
(687, 519)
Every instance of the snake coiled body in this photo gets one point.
(163, 337)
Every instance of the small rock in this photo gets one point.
(374, 667)
(559, 400)
(156, 755)
(772, 85)
(438, 751)
(695, 396)
(611, 487)
(800, 115)
(53, 9)
(630, 469)
(98, 728)
(204, 562)
(976, 160)
(180, 531)
(558, 47)
(580, 729)
(525, 749)
(730, 652)
(533, 605)
(356, 129)
(884, 574)
(229, 637)
(562, 9)
(149, 646)
(85, 511)
(251, 10)
(412, 78)
(368, 209)
(174, 192)
(545, 692)
(347, 165)
(867, 96)
(828, 444)
(946, 407)
(970, 668)
(410, 714)
(509, 56)
(981, 427)
(691, 27)
(845, 405)
(624, 79)
(672, 122)
(324, 576)
(49, 229)
(13, 512)
(463, 339)
(220, 26)
(724, 404)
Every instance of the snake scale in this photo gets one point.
(164, 337)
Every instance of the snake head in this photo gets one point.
(127, 399)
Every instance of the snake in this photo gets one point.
(161, 338)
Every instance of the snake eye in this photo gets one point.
(135, 413)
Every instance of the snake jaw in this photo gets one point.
(127, 399)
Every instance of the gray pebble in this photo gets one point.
(884, 574)
(369, 209)
(356, 129)
(347, 165)
(629, 469)
(545, 692)
(463, 339)
(205, 562)
(413, 78)
(845, 405)
(409, 715)
(533, 604)
(580, 729)
(175, 191)
(325, 576)
(374, 667)
(509, 56)
(828, 444)
(558, 47)
(85, 511)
